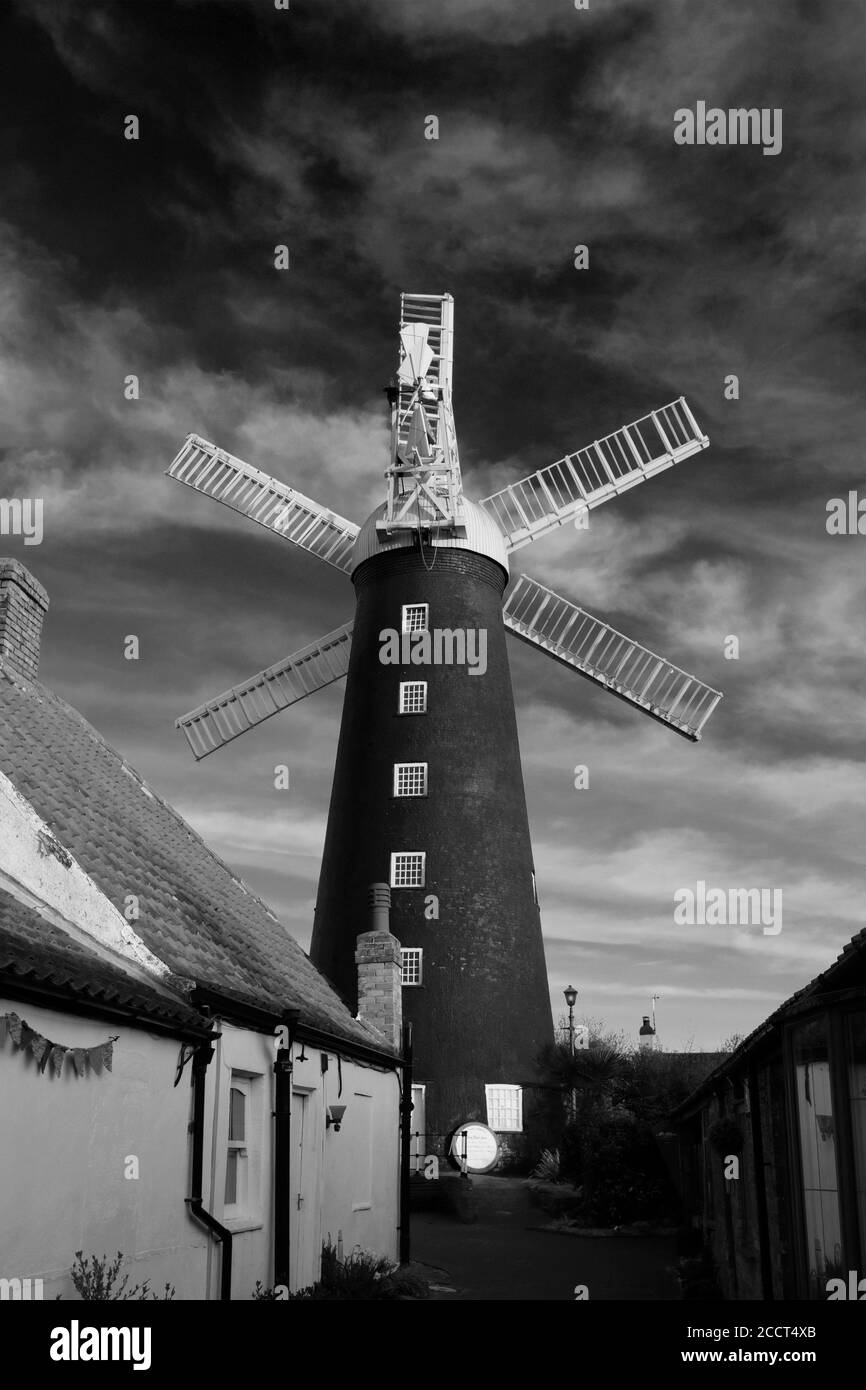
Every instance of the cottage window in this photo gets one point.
(505, 1109)
(237, 1155)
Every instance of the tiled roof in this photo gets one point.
(195, 914)
(35, 953)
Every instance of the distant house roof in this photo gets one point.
(37, 957)
(846, 971)
(194, 913)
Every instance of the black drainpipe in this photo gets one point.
(201, 1058)
(405, 1144)
(283, 1154)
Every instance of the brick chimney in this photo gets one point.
(380, 992)
(23, 605)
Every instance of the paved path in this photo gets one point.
(505, 1255)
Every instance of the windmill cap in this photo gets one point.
(483, 537)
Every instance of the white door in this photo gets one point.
(419, 1128)
(304, 1256)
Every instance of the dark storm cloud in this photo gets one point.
(306, 127)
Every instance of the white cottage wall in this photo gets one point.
(64, 1147)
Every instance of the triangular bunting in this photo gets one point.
(45, 1051)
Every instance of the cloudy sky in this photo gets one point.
(306, 127)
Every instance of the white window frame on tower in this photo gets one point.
(411, 965)
(413, 693)
(414, 617)
(400, 859)
(410, 779)
(504, 1108)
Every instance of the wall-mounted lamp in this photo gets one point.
(335, 1117)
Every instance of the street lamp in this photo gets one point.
(571, 1000)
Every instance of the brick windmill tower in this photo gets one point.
(428, 789)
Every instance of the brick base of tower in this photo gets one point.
(481, 1014)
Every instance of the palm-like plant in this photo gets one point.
(593, 1073)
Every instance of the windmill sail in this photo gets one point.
(228, 716)
(554, 495)
(569, 634)
(273, 504)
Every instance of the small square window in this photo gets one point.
(410, 965)
(413, 697)
(410, 779)
(505, 1108)
(407, 869)
(415, 617)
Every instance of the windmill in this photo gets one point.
(428, 786)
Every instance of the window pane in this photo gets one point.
(505, 1108)
(407, 870)
(818, 1155)
(413, 697)
(414, 617)
(410, 779)
(231, 1177)
(236, 1114)
(410, 959)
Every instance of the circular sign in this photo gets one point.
(475, 1147)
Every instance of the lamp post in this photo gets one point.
(571, 1000)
